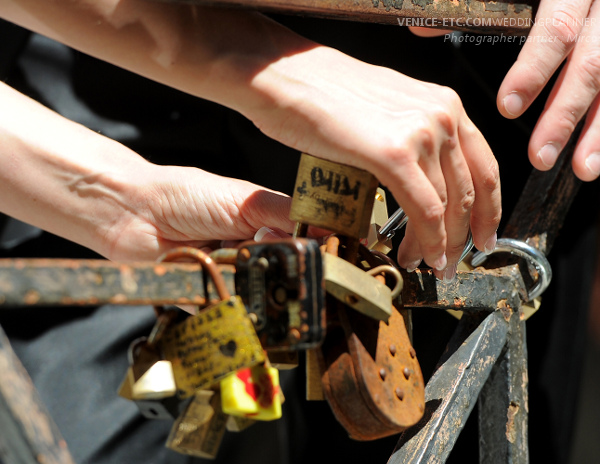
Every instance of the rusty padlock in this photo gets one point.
(281, 283)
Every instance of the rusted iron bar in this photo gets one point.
(510, 17)
(452, 392)
(28, 434)
(64, 282)
(502, 405)
(543, 206)
(480, 289)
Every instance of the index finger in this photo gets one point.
(552, 37)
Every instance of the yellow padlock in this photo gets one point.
(217, 341)
(252, 392)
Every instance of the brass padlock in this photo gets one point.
(206, 347)
(200, 428)
(281, 283)
(359, 289)
(333, 196)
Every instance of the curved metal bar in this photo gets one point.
(533, 256)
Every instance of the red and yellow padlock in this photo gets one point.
(252, 392)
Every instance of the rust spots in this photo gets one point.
(160, 270)
(31, 297)
(511, 432)
(244, 254)
(119, 298)
(505, 309)
(459, 302)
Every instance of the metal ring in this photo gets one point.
(206, 262)
(533, 256)
(392, 270)
(399, 219)
(468, 247)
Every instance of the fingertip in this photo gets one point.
(543, 158)
(512, 105)
(587, 168)
(592, 164)
(266, 233)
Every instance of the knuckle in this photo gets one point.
(563, 24)
(490, 179)
(467, 200)
(433, 214)
(590, 69)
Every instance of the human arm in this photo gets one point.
(414, 137)
(85, 187)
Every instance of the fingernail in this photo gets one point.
(267, 232)
(450, 273)
(412, 267)
(548, 155)
(490, 244)
(441, 263)
(592, 163)
(513, 104)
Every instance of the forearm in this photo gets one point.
(62, 177)
(210, 53)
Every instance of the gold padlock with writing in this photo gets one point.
(333, 196)
(220, 339)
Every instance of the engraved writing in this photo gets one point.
(334, 182)
(206, 347)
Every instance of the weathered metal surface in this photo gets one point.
(545, 202)
(513, 17)
(369, 370)
(452, 391)
(62, 282)
(503, 404)
(28, 435)
(480, 289)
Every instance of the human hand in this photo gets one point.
(569, 32)
(415, 137)
(182, 206)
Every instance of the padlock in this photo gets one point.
(149, 383)
(252, 392)
(206, 347)
(281, 283)
(374, 241)
(359, 289)
(333, 196)
(238, 423)
(200, 428)
(152, 376)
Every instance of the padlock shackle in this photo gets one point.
(207, 264)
